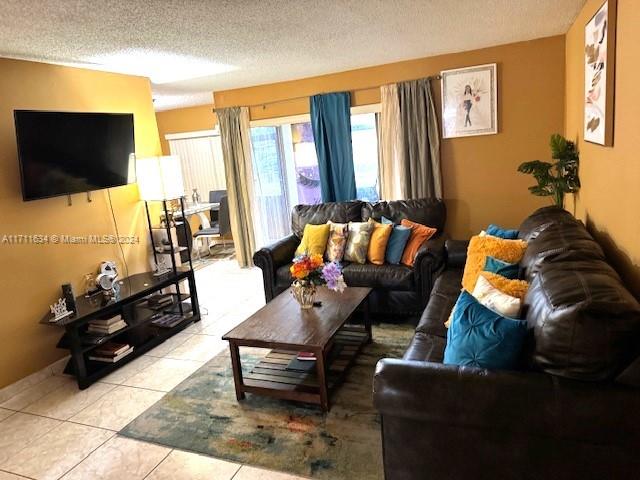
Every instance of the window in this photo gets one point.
(201, 161)
(285, 169)
(306, 164)
(364, 139)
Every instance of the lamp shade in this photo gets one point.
(160, 178)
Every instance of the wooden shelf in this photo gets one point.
(274, 372)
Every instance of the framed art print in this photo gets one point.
(470, 101)
(599, 71)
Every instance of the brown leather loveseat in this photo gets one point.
(397, 289)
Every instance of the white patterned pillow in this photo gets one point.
(337, 241)
(494, 299)
(358, 240)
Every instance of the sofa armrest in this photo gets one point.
(456, 251)
(429, 260)
(272, 257)
(521, 402)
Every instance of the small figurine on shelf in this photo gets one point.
(195, 196)
(59, 310)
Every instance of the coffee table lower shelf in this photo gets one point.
(273, 376)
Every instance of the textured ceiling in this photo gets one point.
(190, 48)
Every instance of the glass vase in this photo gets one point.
(304, 293)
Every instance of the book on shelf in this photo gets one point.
(105, 322)
(112, 349)
(306, 356)
(107, 330)
(110, 359)
(160, 300)
(167, 320)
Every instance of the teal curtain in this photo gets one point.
(331, 123)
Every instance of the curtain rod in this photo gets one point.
(264, 104)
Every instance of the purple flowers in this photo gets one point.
(332, 275)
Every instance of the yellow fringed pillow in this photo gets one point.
(514, 288)
(510, 251)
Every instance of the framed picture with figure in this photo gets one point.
(599, 71)
(470, 101)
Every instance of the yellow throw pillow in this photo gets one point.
(514, 288)
(510, 251)
(314, 239)
(378, 244)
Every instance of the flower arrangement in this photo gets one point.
(309, 272)
(312, 270)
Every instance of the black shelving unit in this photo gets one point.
(131, 303)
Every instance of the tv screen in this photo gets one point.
(62, 152)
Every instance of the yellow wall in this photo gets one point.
(32, 275)
(609, 201)
(481, 184)
(180, 120)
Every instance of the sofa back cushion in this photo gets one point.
(541, 219)
(586, 324)
(339, 212)
(427, 211)
(559, 242)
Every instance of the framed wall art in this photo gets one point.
(599, 72)
(470, 101)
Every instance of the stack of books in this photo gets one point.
(111, 352)
(106, 326)
(160, 301)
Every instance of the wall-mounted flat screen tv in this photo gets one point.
(66, 152)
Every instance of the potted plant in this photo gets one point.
(309, 272)
(557, 178)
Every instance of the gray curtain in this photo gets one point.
(236, 150)
(420, 137)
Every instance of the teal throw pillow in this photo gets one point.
(496, 231)
(479, 337)
(397, 241)
(507, 270)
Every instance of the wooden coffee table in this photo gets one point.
(286, 329)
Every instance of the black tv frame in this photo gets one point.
(66, 194)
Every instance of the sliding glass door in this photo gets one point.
(270, 189)
(285, 170)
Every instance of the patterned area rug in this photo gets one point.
(202, 415)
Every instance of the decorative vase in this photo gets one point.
(304, 293)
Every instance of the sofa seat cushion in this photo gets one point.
(426, 348)
(394, 277)
(443, 297)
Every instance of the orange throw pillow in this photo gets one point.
(378, 244)
(419, 234)
(510, 251)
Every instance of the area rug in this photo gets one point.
(202, 415)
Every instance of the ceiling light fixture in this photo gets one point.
(160, 67)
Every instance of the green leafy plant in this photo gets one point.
(557, 178)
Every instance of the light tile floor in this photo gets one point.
(49, 429)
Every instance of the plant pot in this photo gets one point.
(304, 293)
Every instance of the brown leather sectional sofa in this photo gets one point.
(573, 409)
